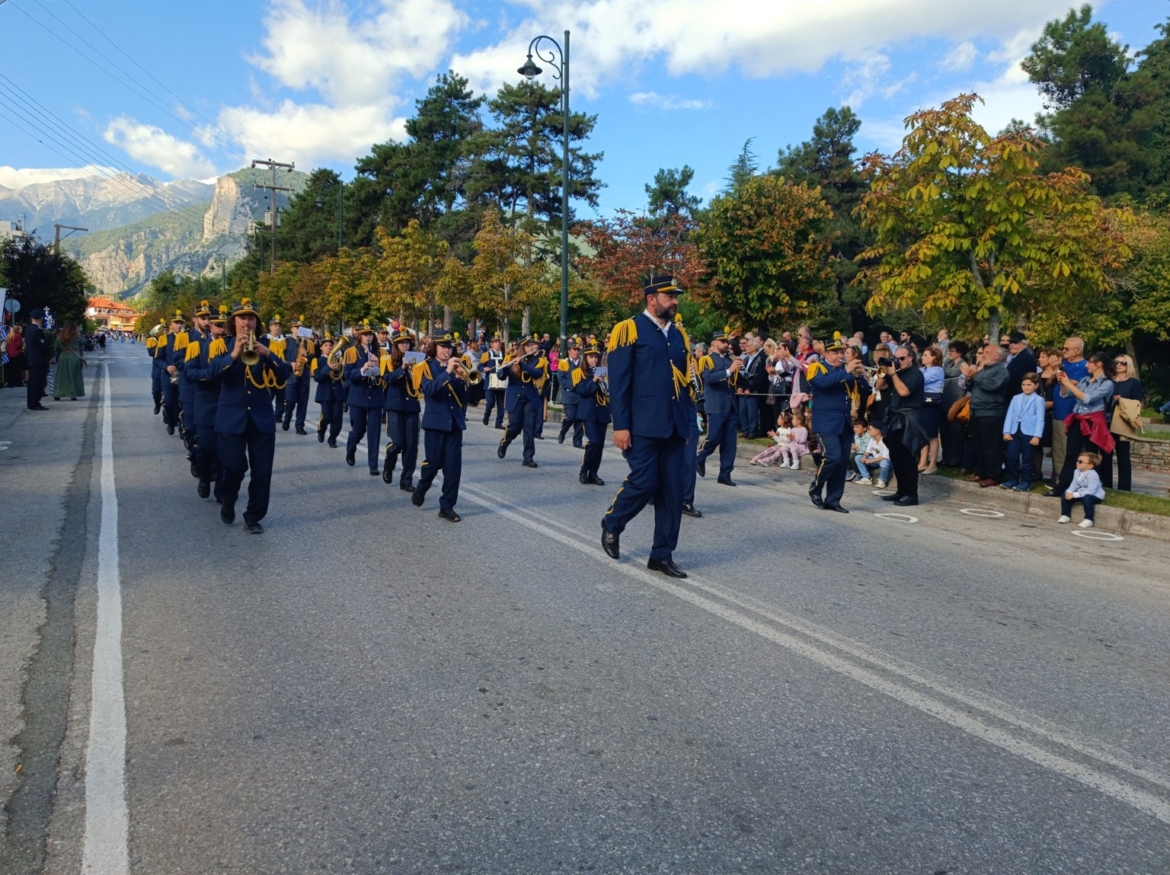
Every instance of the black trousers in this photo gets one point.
(365, 423)
(1124, 467)
(987, 433)
(444, 452)
(570, 420)
(236, 453)
(38, 377)
(1077, 443)
(208, 457)
(525, 418)
(296, 399)
(331, 418)
(595, 435)
(156, 383)
(170, 400)
(905, 468)
(657, 470)
(278, 402)
(830, 476)
(495, 400)
(402, 429)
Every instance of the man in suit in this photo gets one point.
(754, 385)
(652, 409)
(1020, 361)
(720, 375)
(831, 383)
(38, 351)
(526, 378)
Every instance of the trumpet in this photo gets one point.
(468, 375)
(249, 356)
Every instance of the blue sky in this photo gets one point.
(206, 87)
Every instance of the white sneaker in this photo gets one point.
(881, 484)
(1064, 519)
(864, 481)
(1086, 524)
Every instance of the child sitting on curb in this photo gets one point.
(877, 455)
(780, 436)
(1085, 488)
(860, 442)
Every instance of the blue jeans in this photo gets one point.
(1089, 501)
(867, 469)
(1019, 459)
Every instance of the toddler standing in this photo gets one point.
(797, 445)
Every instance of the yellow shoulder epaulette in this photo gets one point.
(704, 363)
(313, 365)
(349, 356)
(181, 341)
(686, 338)
(812, 371)
(623, 334)
(578, 376)
(218, 347)
(563, 365)
(483, 359)
(421, 370)
(151, 343)
(385, 363)
(192, 351)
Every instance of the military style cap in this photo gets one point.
(178, 316)
(591, 350)
(204, 309)
(444, 339)
(364, 327)
(718, 335)
(834, 346)
(221, 315)
(402, 336)
(245, 308)
(298, 321)
(574, 343)
(655, 284)
(275, 320)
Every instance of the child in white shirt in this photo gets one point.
(1085, 488)
(876, 455)
(780, 436)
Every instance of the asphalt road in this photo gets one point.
(368, 688)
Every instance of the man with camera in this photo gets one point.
(905, 437)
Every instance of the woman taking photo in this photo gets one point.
(69, 382)
(1123, 422)
(931, 415)
(1086, 427)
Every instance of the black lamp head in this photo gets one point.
(529, 71)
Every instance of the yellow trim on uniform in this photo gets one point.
(623, 334)
(151, 343)
(218, 347)
(192, 351)
(421, 370)
(578, 376)
(181, 341)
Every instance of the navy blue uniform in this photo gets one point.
(593, 415)
(490, 363)
(722, 417)
(187, 346)
(833, 428)
(245, 427)
(197, 371)
(402, 423)
(569, 399)
(525, 405)
(366, 398)
(279, 347)
(170, 391)
(331, 396)
(649, 396)
(157, 366)
(443, 423)
(296, 390)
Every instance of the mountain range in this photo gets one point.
(140, 227)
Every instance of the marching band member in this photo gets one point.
(831, 384)
(720, 380)
(191, 342)
(278, 344)
(525, 403)
(653, 411)
(690, 473)
(244, 422)
(170, 375)
(592, 412)
(296, 391)
(330, 394)
(157, 363)
(443, 423)
(565, 370)
(402, 412)
(363, 371)
(495, 381)
(197, 372)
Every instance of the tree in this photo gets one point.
(404, 276)
(499, 278)
(308, 228)
(668, 195)
(827, 161)
(36, 276)
(966, 226)
(629, 247)
(745, 167)
(766, 248)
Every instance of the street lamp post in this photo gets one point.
(530, 71)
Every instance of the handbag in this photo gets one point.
(960, 412)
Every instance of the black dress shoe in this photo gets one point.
(502, 449)
(374, 472)
(835, 507)
(284, 425)
(194, 468)
(204, 489)
(897, 496)
(726, 481)
(907, 501)
(500, 426)
(320, 435)
(227, 512)
(419, 497)
(485, 418)
(1051, 493)
(332, 443)
(254, 528)
(578, 445)
(387, 471)
(528, 463)
(350, 458)
(610, 543)
(170, 428)
(594, 480)
(816, 499)
(301, 431)
(691, 510)
(157, 408)
(561, 438)
(450, 516)
(539, 437)
(667, 567)
(701, 467)
(406, 487)
(583, 478)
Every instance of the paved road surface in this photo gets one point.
(366, 688)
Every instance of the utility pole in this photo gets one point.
(57, 229)
(274, 188)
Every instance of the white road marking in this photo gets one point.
(1094, 535)
(897, 517)
(982, 513)
(1138, 798)
(106, 850)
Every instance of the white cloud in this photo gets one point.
(961, 57)
(16, 178)
(669, 102)
(308, 133)
(614, 37)
(864, 78)
(155, 147)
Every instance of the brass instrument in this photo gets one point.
(249, 356)
(470, 376)
(334, 360)
(298, 365)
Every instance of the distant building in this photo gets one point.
(112, 315)
(10, 229)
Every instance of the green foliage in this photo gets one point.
(668, 195)
(37, 276)
(746, 166)
(309, 227)
(766, 246)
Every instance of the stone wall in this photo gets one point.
(1151, 454)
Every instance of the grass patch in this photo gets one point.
(1137, 501)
